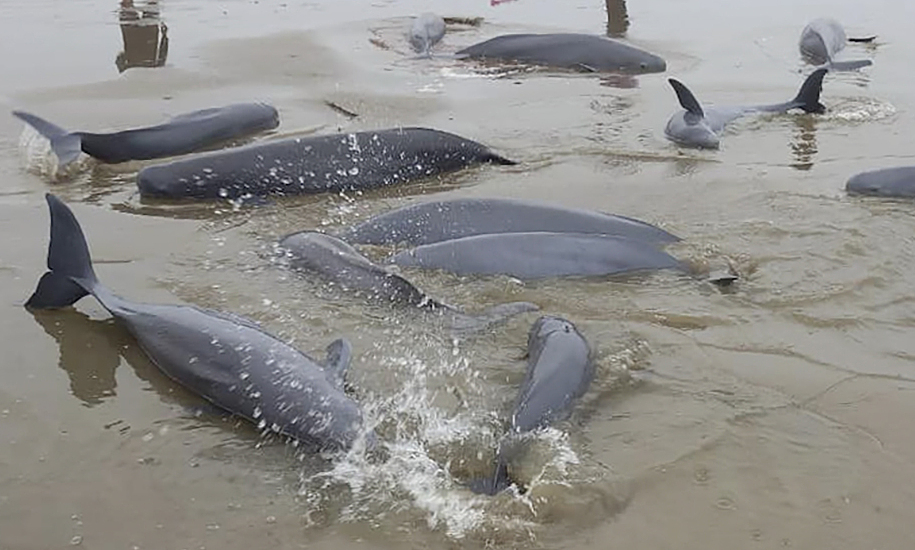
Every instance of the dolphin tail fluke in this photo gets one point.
(66, 145)
(852, 65)
(464, 324)
(687, 100)
(493, 485)
(70, 275)
(808, 97)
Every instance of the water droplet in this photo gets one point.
(76, 541)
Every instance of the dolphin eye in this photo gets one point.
(643, 65)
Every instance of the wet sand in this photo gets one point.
(774, 414)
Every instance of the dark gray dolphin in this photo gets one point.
(336, 261)
(435, 221)
(888, 182)
(182, 134)
(427, 30)
(559, 371)
(536, 255)
(228, 360)
(585, 52)
(331, 163)
(700, 127)
(822, 39)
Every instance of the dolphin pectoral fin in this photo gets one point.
(850, 65)
(339, 356)
(586, 68)
(67, 146)
(464, 324)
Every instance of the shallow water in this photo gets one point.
(773, 414)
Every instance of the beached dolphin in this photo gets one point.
(427, 30)
(559, 371)
(336, 261)
(582, 52)
(228, 360)
(887, 182)
(822, 39)
(431, 222)
(182, 134)
(537, 255)
(697, 126)
(318, 164)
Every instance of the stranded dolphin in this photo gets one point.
(226, 359)
(822, 39)
(331, 163)
(427, 30)
(887, 182)
(585, 52)
(435, 221)
(559, 371)
(334, 260)
(700, 127)
(179, 135)
(536, 255)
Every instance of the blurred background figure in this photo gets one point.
(145, 36)
(617, 18)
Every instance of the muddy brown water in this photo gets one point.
(775, 414)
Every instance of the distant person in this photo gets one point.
(144, 44)
(617, 18)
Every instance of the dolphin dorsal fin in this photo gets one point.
(687, 100)
(339, 356)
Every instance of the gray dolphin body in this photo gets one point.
(888, 182)
(536, 255)
(559, 371)
(319, 164)
(182, 134)
(699, 127)
(226, 359)
(336, 261)
(822, 39)
(586, 52)
(427, 30)
(432, 222)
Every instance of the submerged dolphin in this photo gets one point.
(228, 360)
(887, 182)
(559, 371)
(822, 39)
(331, 163)
(536, 255)
(700, 127)
(435, 221)
(585, 52)
(182, 134)
(334, 260)
(427, 30)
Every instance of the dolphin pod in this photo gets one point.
(699, 127)
(228, 360)
(336, 261)
(583, 52)
(822, 39)
(435, 221)
(319, 164)
(559, 371)
(182, 134)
